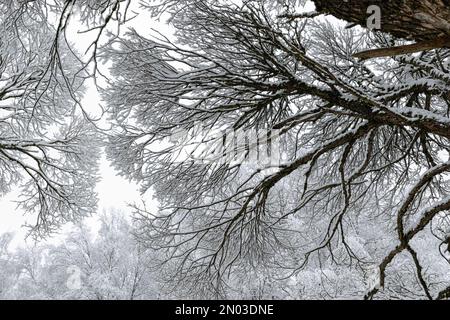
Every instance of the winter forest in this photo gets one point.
(282, 149)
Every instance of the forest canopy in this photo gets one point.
(277, 141)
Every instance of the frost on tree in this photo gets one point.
(359, 203)
(111, 265)
(364, 182)
(47, 148)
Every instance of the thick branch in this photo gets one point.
(437, 43)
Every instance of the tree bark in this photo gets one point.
(419, 20)
(439, 42)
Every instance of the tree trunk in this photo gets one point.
(419, 20)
